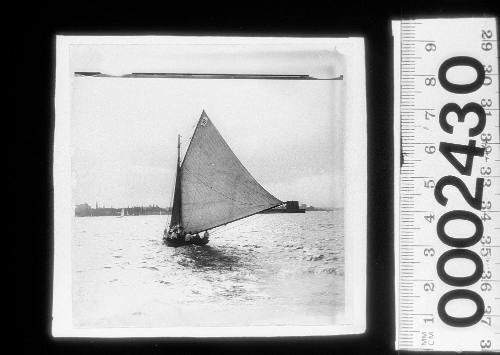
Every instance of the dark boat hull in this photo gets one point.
(180, 241)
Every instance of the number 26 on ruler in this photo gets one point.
(474, 198)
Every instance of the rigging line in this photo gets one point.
(191, 140)
(220, 193)
(186, 138)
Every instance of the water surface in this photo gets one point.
(270, 269)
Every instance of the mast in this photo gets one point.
(178, 150)
(176, 218)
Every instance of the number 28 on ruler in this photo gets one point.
(459, 187)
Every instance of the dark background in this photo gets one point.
(30, 145)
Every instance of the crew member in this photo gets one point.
(173, 235)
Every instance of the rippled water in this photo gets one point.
(268, 269)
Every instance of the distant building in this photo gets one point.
(294, 207)
(85, 210)
(290, 207)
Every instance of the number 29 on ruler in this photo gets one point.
(447, 185)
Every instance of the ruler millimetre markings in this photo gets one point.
(420, 48)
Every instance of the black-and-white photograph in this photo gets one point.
(209, 186)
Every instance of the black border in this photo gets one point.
(33, 30)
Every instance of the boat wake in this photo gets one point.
(201, 258)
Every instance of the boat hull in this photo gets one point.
(181, 241)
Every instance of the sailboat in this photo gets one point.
(212, 188)
(122, 213)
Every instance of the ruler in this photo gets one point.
(447, 184)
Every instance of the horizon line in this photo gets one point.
(157, 205)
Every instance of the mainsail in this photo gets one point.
(212, 187)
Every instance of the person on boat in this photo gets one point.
(188, 237)
(173, 235)
(196, 238)
(205, 235)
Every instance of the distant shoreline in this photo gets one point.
(169, 213)
(85, 210)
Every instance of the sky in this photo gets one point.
(288, 134)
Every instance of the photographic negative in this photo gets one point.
(209, 186)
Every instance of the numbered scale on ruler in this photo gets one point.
(447, 184)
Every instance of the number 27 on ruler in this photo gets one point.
(447, 183)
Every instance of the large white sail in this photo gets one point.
(215, 187)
